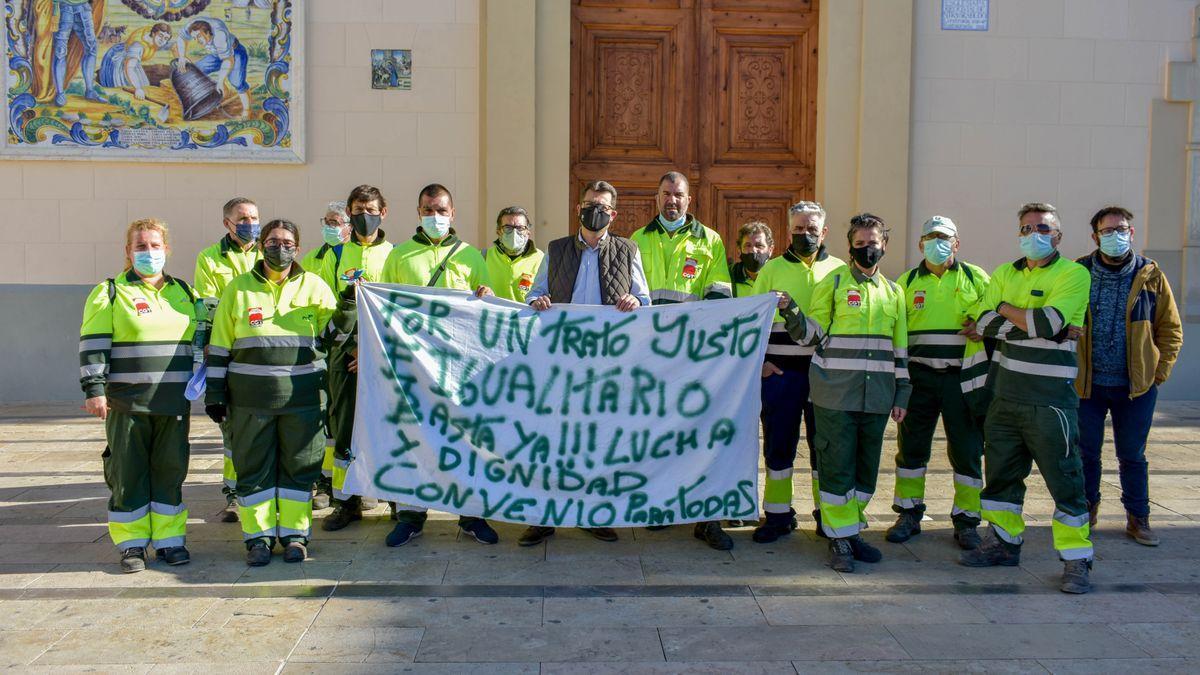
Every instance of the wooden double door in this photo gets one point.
(723, 91)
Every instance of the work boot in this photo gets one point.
(990, 552)
(841, 555)
(1093, 514)
(173, 555)
(967, 536)
(343, 514)
(1138, 527)
(737, 522)
(1075, 576)
(769, 532)
(479, 529)
(602, 533)
(534, 535)
(712, 534)
(258, 555)
(817, 517)
(133, 560)
(320, 501)
(295, 552)
(402, 533)
(230, 513)
(907, 526)
(864, 552)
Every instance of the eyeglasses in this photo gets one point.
(1120, 229)
(605, 207)
(282, 244)
(1041, 228)
(332, 223)
(935, 235)
(515, 228)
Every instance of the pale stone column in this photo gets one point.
(1183, 86)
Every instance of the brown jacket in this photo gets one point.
(1153, 331)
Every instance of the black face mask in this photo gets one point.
(805, 244)
(365, 224)
(278, 258)
(866, 256)
(753, 262)
(594, 218)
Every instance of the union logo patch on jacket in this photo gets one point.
(689, 268)
(256, 316)
(853, 297)
(141, 306)
(526, 282)
(919, 300)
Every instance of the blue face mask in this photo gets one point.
(149, 263)
(1037, 246)
(938, 251)
(1114, 245)
(672, 225)
(436, 226)
(331, 235)
(247, 232)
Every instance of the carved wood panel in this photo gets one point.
(722, 90)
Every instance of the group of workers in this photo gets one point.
(1006, 361)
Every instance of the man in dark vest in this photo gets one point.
(590, 268)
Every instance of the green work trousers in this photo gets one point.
(145, 464)
(278, 458)
(343, 391)
(1017, 435)
(939, 393)
(848, 445)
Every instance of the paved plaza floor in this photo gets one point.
(654, 602)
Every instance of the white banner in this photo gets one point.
(580, 416)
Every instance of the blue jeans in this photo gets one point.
(1131, 425)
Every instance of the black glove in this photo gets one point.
(216, 412)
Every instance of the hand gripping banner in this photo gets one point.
(579, 416)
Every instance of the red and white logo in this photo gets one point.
(141, 306)
(256, 318)
(853, 298)
(526, 282)
(689, 268)
(919, 300)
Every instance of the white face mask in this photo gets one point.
(514, 241)
(436, 226)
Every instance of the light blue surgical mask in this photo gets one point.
(938, 251)
(436, 226)
(149, 263)
(672, 225)
(1115, 244)
(1036, 246)
(331, 235)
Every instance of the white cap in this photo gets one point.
(939, 224)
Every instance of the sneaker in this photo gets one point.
(967, 537)
(602, 533)
(862, 551)
(907, 526)
(295, 552)
(133, 560)
(342, 515)
(230, 513)
(173, 555)
(479, 529)
(991, 551)
(817, 517)
(258, 555)
(534, 535)
(1093, 514)
(768, 533)
(712, 534)
(1075, 576)
(841, 555)
(1138, 527)
(402, 533)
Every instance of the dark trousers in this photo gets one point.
(1131, 420)
(784, 404)
(848, 446)
(145, 464)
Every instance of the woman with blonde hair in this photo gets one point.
(135, 359)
